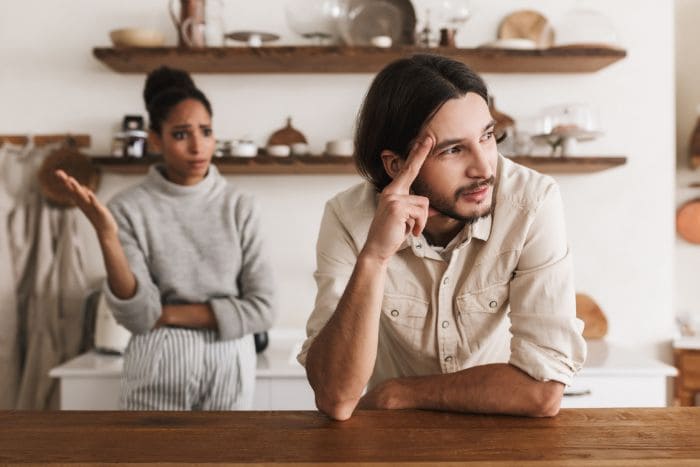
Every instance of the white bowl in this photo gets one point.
(340, 147)
(244, 149)
(136, 37)
(278, 150)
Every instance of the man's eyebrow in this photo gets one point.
(449, 142)
(183, 126)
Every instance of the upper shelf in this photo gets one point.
(328, 165)
(335, 59)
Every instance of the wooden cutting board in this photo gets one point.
(588, 311)
(688, 221)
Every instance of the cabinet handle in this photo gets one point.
(577, 393)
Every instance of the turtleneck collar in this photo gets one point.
(156, 178)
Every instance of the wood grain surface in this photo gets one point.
(575, 437)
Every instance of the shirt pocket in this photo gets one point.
(405, 317)
(481, 312)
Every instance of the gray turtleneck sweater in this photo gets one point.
(193, 244)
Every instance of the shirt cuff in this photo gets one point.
(546, 365)
(133, 313)
(228, 318)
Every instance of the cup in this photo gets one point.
(300, 149)
(242, 148)
(278, 150)
(340, 147)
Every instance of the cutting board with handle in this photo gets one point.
(588, 311)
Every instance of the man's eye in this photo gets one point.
(489, 135)
(179, 135)
(451, 150)
(207, 131)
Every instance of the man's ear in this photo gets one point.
(155, 145)
(392, 163)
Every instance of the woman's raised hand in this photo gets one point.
(96, 212)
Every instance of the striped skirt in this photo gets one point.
(187, 369)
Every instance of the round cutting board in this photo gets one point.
(688, 221)
(527, 24)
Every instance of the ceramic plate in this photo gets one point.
(366, 19)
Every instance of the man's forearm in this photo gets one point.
(494, 389)
(341, 359)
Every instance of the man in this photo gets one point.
(445, 281)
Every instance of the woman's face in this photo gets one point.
(187, 142)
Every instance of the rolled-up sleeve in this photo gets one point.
(547, 340)
(253, 309)
(139, 313)
(336, 255)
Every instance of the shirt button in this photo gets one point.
(394, 313)
(419, 246)
(493, 304)
(448, 359)
(446, 281)
(445, 324)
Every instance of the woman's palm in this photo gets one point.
(84, 198)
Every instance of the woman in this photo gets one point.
(185, 267)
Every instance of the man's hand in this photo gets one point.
(389, 395)
(399, 212)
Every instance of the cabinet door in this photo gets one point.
(90, 393)
(616, 391)
(291, 394)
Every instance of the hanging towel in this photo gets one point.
(51, 288)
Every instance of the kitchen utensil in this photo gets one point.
(136, 37)
(243, 148)
(278, 150)
(340, 147)
(75, 164)
(287, 135)
(110, 336)
(586, 27)
(314, 19)
(588, 311)
(252, 38)
(514, 43)
(299, 149)
(363, 20)
(191, 25)
(688, 221)
(566, 125)
(527, 24)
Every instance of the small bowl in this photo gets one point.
(278, 150)
(136, 37)
(244, 149)
(340, 147)
(300, 149)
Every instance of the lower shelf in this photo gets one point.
(329, 165)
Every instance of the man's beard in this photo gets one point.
(447, 208)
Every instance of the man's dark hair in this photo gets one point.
(403, 97)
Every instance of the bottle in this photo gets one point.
(694, 147)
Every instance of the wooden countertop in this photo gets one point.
(575, 437)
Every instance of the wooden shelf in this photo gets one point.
(328, 165)
(570, 165)
(260, 165)
(334, 59)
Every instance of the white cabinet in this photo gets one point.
(611, 377)
(616, 377)
(91, 381)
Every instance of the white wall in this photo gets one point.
(687, 105)
(620, 221)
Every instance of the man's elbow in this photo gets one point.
(547, 399)
(336, 409)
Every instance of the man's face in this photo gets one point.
(458, 175)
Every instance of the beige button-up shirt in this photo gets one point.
(502, 291)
